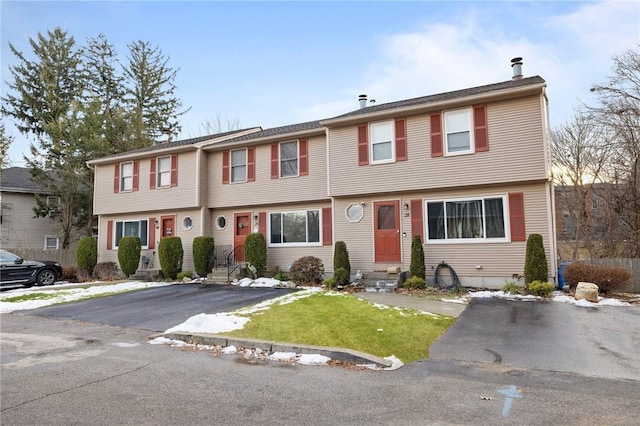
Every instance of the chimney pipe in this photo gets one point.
(363, 101)
(516, 64)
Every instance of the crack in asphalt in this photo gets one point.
(75, 387)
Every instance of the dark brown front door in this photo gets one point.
(242, 222)
(387, 231)
(168, 226)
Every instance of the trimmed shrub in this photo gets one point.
(342, 277)
(170, 254)
(106, 271)
(415, 282)
(540, 288)
(607, 278)
(535, 263)
(281, 276)
(203, 255)
(307, 270)
(417, 268)
(255, 252)
(87, 254)
(512, 287)
(129, 254)
(330, 283)
(341, 257)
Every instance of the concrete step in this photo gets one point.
(146, 275)
(380, 282)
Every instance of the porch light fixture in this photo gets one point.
(405, 206)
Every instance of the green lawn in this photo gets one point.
(343, 320)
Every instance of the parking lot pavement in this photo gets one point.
(159, 308)
(594, 341)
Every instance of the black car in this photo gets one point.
(15, 270)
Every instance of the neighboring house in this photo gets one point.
(468, 171)
(19, 228)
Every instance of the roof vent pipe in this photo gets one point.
(363, 101)
(516, 64)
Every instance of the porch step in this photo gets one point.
(380, 282)
(146, 275)
(216, 276)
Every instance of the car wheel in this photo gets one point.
(46, 277)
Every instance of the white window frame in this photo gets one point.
(226, 222)
(47, 247)
(126, 178)
(448, 130)
(295, 244)
(391, 141)
(116, 240)
(187, 223)
(233, 166)
(485, 239)
(282, 159)
(359, 208)
(163, 173)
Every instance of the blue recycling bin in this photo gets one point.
(561, 273)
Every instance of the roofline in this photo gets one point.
(495, 95)
(266, 139)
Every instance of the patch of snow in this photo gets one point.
(210, 323)
(502, 295)
(460, 300)
(126, 344)
(313, 359)
(229, 349)
(282, 356)
(395, 363)
(259, 282)
(602, 301)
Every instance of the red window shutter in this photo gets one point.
(417, 226)
(136, 175)
(303, 154)
(363, 145)
(481, 134)
(262, 224)
(109, 234)
(401, 139)
(251, 164)
(116, 178)
(275, 170)
(327, 227)
(225, 167)
(174, 170)
(151, 237)
(436, 135)
(516, 216)
(152, 174)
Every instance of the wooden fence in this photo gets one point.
(632, 265)
(66, 257)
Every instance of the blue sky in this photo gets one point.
(275, 63)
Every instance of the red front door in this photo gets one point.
(242, 222)
(168, 226)
(387, 231)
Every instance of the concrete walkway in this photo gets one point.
(414, 302)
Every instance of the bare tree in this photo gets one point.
(218, 125)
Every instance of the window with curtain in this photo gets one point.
(132, 228)
(469, 219)
(295, 228)
(126, 176)
(458, 127)
(381, 142)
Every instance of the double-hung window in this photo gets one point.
(381, 137)
(458, 127)
(295, 228)
(164, 172)
(239, 165)
(467, 219)
(126, 176)
(289, 159)
(51, 242)
(132, 228)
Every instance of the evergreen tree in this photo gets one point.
(5, 144)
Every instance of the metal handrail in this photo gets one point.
(232, 265)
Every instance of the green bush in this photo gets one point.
(512, 287)
(417, 268)
(307, 270)
(341, 276)
(330, 283)
(607, 278)
(185, 274)
(87, 254)
(203, 255)
(170, 254)
(535, 263)
(415, 282)
(281, 276)
(255, 252)
(129, 254)
(341, 257)
(106, 271)
(540, 288)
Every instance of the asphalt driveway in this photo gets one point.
(159, 308)
(595, 341)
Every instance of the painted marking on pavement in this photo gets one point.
(510, 393)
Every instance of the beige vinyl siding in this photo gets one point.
(499, 260)
(265, 190)
(516, 154)
(19, 228)
(186, 236)
(281, 257)
(146, 199)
